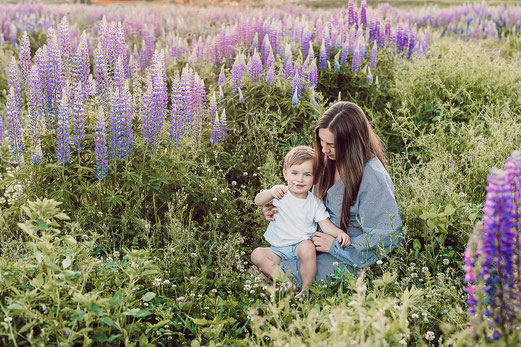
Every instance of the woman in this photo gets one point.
(351, 179)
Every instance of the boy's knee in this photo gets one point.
(256, 255)
(306, 249)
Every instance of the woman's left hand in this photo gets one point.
(322, 241)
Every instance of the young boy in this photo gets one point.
(299, 211)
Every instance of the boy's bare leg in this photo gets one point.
(308, 263)
(266, 261)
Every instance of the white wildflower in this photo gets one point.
(445, 261)
(429, 335)
(379, 262)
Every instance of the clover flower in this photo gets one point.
(63, 130)
(100, 145)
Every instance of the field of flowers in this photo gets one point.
(133, 141)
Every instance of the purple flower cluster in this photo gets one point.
(100, 145)
(494, 280)
(63, 151)
(219, 128)
(178, 113)
(14, 126)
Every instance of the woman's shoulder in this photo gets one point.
(375, 174)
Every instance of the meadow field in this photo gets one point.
(133, 140)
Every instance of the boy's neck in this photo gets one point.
(300, 195)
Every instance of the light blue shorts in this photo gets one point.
(286, 252)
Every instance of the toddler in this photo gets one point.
(299, 211)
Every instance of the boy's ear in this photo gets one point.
(285, 174)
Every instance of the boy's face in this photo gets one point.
(299, 178)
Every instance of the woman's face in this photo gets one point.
(327, 141)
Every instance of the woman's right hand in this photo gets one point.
(269, 210)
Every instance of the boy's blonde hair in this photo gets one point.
(298, 155)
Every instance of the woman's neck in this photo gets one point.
(337, 176)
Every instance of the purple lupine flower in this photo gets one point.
(266, 48)
(221, 94)
(350, 12)
(148, 116)
(215, 135)
(357, 59)
(288, 67)
(295, 99)
(237, 70)
(65, 45)
(369, 78)
(119, 75)
(186, 86)
(412, 39)
(311, 52)
(313, 74)
(127, 142)
(381, 37)
(25, 57)
(100, 146)
(56, 81)
(13, 81)
(81, 64)
(35, 110)
(345, 52)
(363, 13)
(492, 263)
(63, 130)
(212, 109)
(115, 124)
(78, 118)
(270, 61)
(296, 85)
(270, 74)
(322, 57)
(372, 59)
(222, 77)
(353, 40)
(14, 126)
(101, 75)
(255, 67)
(178, 113)
(387, 28)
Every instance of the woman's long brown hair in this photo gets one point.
(355, 144)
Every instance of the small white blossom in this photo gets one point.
(335, 263)
(145, 303)
(116, 254)
(214, 199)
(234, 183)
(429, 336)
(414, 275)
(156, 282)
(8, 319)
(425, 269)
(214, 290)
(252, 291)
(166, 282)
(379, 262)
(445, 261)
(193, 254)
(84, 237)
(192, 294)
(414, 315)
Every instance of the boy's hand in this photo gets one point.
(344, 239)
(279, 191)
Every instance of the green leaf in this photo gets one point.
(42, 224)
(67, 262)
(148, 272)
(37, 282)
(416, 245)
(53, 266)
(143, 340)
(200, 321)
(15, 307)
(116, 299)
(61, 216)
(70, 275)
(148, 296)
(70, 240)
(37, 254)
(77, 316)
(109, 321)
(136, 312)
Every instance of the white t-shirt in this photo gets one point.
(296, 219)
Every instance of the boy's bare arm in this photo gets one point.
(331, 229)
(266, 196)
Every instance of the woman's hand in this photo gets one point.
(322, 241)
(269, 211)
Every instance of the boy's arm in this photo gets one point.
(266, 196)
(329, 228)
